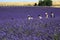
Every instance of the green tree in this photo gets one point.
(40, 3)
(45, 3)
(35, 4)
(48, 2)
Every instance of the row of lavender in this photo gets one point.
(12, 27)
(36, 29)
(23, 12)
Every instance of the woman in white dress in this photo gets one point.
(40, 17)
(46, 15)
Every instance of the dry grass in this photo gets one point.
(55, 4)
(16, 3)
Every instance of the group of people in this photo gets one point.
(52, 15)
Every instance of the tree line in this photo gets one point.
(44, 3)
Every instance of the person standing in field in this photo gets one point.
(30, 17)
(52, 15)
(40, 17)
(46, 15)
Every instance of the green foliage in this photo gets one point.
(57, 36)
(45, 3)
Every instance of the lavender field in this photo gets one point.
(14, 24)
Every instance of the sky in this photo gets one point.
(22, 0)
